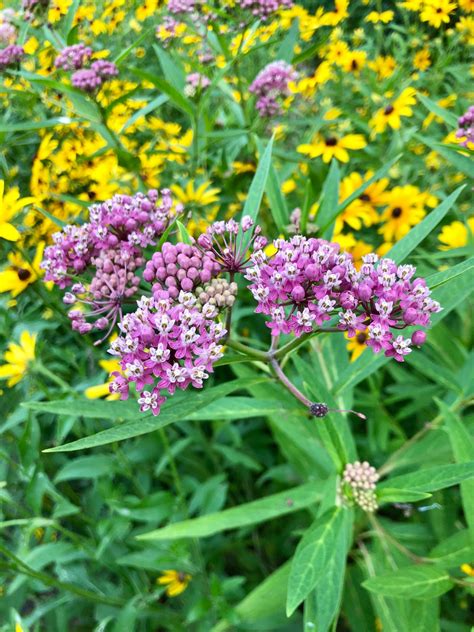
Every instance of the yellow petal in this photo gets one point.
(9, 232)
(95, 392)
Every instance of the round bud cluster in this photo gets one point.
(271, 85)
(218, 292)
(10, 56)
(73, 57)
(361, 478)
(179, 267)
(196, 82)
(86, 79)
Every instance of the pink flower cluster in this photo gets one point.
(182, 6)
(7, 29)
(179, 267)
(225, 243)
(10, 56)
(196, 82)
(466, 127)
(73, 57)
(108, 250)
(166, 345)
(264, 8)
(90, 79)
(271, 85)
(309, 281)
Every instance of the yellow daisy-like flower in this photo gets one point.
(361, 211)
(203, 195)
(467, 569)
(405, 208)
(466, 5)
(390, 115)
(375, 17)
(102, 390)
(422, 59)
(242, 167)
(356, 345)
(437, 12)
(340, 13)
(18, 358)
(10, 204)
(456, 234)
(176, 582)
(354, 61)
(20, 273)
(332, 147)
(384, 66)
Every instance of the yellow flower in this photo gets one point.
(435, 12)
(467, 569)
(332, 18)
(57, 9)
(466, 27)
(466, 5)
(337, 52)
(354, 61)
(242, 167)
(375, 17)
(361, 211)
(456, 234)
(102, 390)
(203, 195)
(176, 582)
(422, 59)
(20, 273)
(18, 358)
(332, 147)
(383, 66)
(10, 204)
(405, 208)
(391, 114)
(356, 345)
(288, 186)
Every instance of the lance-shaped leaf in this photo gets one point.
(432, 478)
(415, 582)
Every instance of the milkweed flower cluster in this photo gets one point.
(271, 85)
(166, 345)
(107, 250)
(182, 6)
(73, 57)
(466, 127)
(359, 482)
(196, 82)
(265, 8)
(10, 56)
(309, 281)
(90, 79)
(7, 29)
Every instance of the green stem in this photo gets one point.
(39, 368)
(248, 351)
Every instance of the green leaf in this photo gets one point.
(457, 158)
(313, 555)
(256, 190)
(86, 467)
(171, 412)
(431, 479)
(453, 551)
(183, 234)
(126, 52)
(394, 495)
(176, 97)
(87, 408)
(244, 408)
(173, 72)
(424, 615)
(26, 126)
(322, 605)
(249, 513)
(329, 201)
(463, 450)
(287, 47)
(414, 582)
(437, 110)
(277, 202)
(260, 607)
(405, 246)
(146, 109)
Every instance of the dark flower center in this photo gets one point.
(331, 141)
(361, 337)
(23, 274)
(364, 197)
(388, 110)
(396, 212)
(354, 65)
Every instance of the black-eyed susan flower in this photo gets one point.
(456, 234)
(203, 195)
(102, 390)
(176, 582)
(357, 344)
(406, 207)
(332, 146)
(422, 59)
(437, 12)
(18, 358)
(10, 204)
(363, 210)
(383, 65)
(391, 114)
(20, 273)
